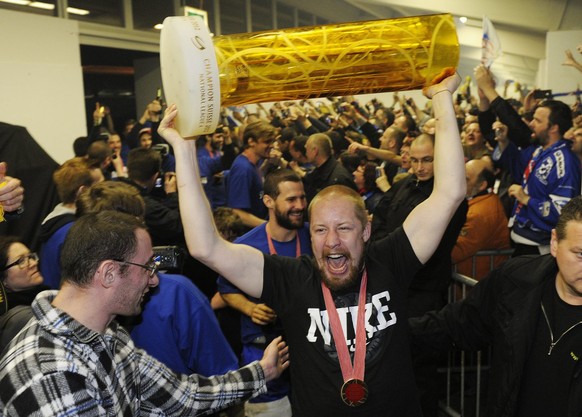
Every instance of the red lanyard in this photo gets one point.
(272, 250)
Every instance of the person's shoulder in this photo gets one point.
(485, 205)
(202, 152)
(529, 269)
(256, 234)
(174, 283)
(241, 159)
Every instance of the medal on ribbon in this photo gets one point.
(354, 391)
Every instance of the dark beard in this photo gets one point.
(352, 279)
(285, 222)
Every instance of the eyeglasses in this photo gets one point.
(23, 261)
(151, 266)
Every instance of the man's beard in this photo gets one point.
(338, 285)
(284, 221)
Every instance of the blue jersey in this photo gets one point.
(554, 180)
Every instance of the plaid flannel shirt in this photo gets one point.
(58, 367)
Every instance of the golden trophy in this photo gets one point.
(200, 74)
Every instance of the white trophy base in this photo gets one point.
(190, 74)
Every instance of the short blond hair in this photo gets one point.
(337, 192)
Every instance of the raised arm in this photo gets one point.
(426, 224)
(240, 264)
(382, 154)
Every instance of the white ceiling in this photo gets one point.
(521, 25)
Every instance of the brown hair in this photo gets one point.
(257, 130)
(69, 177)
(111, 195)
(572, 211)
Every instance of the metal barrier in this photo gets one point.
(459, 365)
(492, 254)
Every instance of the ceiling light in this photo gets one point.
(41, 5)
(463, 19)
(19, 2)
(80, 12)
(159, 26)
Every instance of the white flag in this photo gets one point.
(491, 45)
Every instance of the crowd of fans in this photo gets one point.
(522, 165)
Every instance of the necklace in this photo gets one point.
(552, 343)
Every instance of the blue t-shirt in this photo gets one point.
(50, 255)
(179, 328)
(244, 187)
(214, 187)
(257, 238)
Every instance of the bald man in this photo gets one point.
(428, 289)
(328, 171)
(486, 224)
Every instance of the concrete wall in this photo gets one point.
(557, 77)
(41, 80)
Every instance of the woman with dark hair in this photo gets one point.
(365, 178)
(20, 278)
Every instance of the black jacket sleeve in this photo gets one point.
(518, 131)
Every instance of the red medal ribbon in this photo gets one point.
(354, 391)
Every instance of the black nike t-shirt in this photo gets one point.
(293, 288)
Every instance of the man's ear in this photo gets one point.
(107, 273)
(268, 201)
(80, 190)
(367, 231)
(554, 243)
(554, 129)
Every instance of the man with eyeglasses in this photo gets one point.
(428, 288)
(74, 359)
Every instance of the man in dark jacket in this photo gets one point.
(162, 215)
(327, 170)
(428, 288)
(529, 311)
